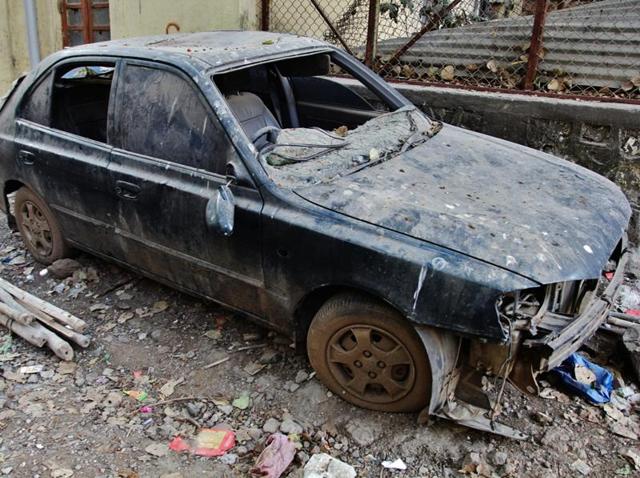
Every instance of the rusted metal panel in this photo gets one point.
(596, 45)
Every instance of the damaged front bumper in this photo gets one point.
(458, 365)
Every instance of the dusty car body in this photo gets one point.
(504, 260)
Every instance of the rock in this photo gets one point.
(271, 425)
(63, 268)
(61, 473)
(194, 409)
(499, 458)
(157, 449)
(325, 466)
(364, 434)
(269, 357)
(301, 376)
(229, 458)
(156, 334)
(556, 438)
(581, 467)
(288, 427)
(7, 470)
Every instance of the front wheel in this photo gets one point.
(368, 354)
(39, 228)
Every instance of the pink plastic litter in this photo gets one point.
(275, 458)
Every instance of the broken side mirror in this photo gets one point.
(220, 211)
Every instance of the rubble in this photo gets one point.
(325, 466)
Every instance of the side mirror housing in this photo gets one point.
(220, 211)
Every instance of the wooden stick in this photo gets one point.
(629, 317)
(622, 323)
(216, 363)
(81, 340)
(27, 332)
(56, 313)
(23, 318)
(61, 348)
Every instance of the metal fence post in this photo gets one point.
(264, 15)
(535, 47)
(372, 33)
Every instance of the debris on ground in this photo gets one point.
(275, 458)
(396, 464)
(208, 442)
(326, 466)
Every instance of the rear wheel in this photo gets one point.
(369, 355)
(39, 228)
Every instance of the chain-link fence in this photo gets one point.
(563, 47)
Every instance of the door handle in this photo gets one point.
(26, 157)
(127, 190)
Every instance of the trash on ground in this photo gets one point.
(396, 464)
(275, 458)
(572, 374)
(209, 442)
(39, 322)
(139, 395)
(322, 465)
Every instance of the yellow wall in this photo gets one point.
(151, 17)
(14, 56)
(128, 18)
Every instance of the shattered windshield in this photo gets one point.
(305, 156)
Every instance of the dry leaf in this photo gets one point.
(168, 388)
(627, 86)
(555, 85)
(472, 67)
(159, 306)
(448, 73)
(635, 81)
(492, 66)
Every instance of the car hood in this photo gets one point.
(517, 208)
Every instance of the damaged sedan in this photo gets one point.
(278, 176)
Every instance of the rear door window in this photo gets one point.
(80, 99)
(37, 106)
(163, 115)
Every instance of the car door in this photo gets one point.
(168, 163)
(63, 149)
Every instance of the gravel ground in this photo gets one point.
(73, 419)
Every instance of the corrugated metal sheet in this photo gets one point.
(595, 45)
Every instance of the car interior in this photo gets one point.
(295, 93)
(80, 100)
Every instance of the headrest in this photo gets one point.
(315, 65)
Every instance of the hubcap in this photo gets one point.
(371, 363)
(36, 229)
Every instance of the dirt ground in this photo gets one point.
(75, 420)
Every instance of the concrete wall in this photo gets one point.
(14, 57)
(151, 17)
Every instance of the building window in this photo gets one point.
(84, 21)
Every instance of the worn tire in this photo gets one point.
(39, 228)
(348, 344)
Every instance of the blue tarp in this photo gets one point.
(599, 391)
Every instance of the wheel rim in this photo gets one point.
(371, 364)
(36, 229)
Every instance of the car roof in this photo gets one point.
(217, 49)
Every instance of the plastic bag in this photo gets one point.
(597, 392)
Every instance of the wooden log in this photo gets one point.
(81, 340)
(629, 317)
(622, 323)
(28, 332)
(56, 313)
(23, 318)
(61, 348)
